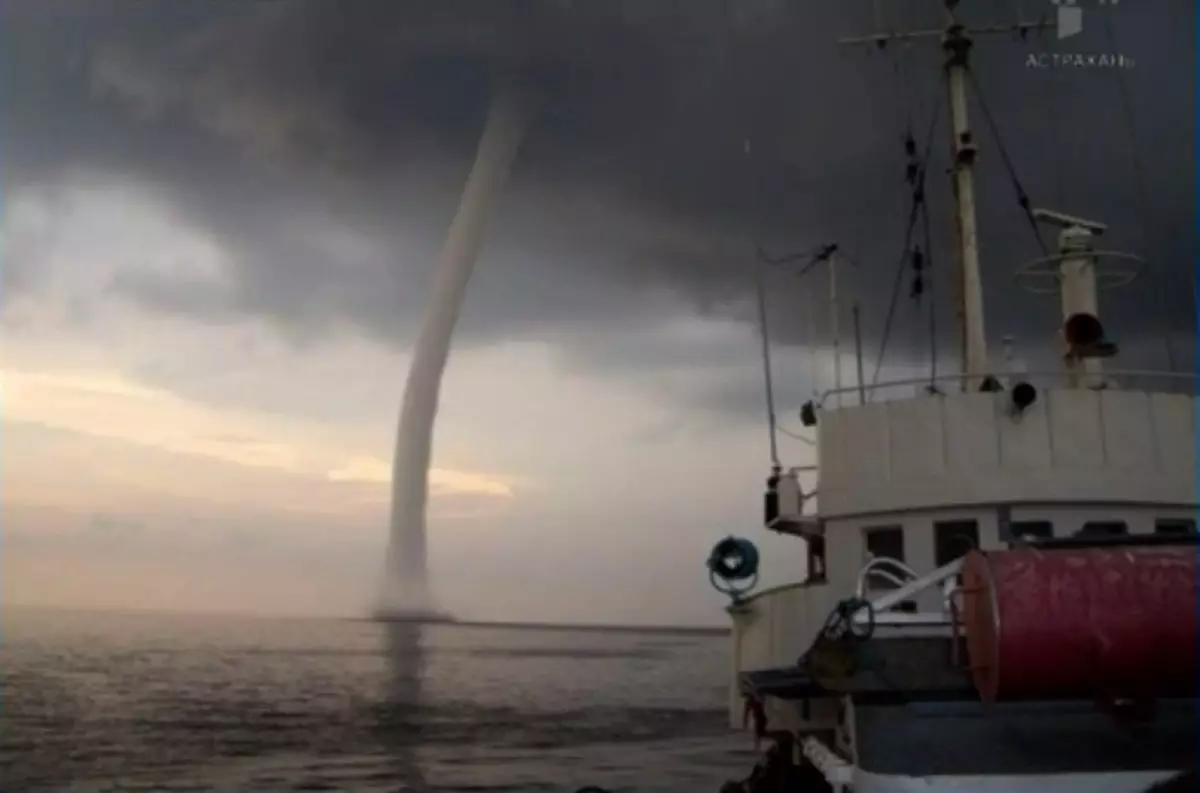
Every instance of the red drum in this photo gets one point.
(1085, 623)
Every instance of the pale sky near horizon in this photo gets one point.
(265, 488)
(215, 254)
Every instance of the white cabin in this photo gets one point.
(924, 479)
(908, 486)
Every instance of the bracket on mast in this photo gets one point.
(1020, 28)
(883, 39)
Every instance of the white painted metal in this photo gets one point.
(1067, 519)
(835, 769)
(1078, 273)
(1080, 456)
(834, 325)
(810, 306)
(1079, 297)
(882, 39)
(1072, 456)
(768, 381)
(919, 619)
(975, 339)
(971, 300)
(897, 596)
(858, 357)
(886, 567)
(844, 776)
(1184, 380)
(964, 450)
(943, 579)
(1075, 277)
(736, 657)
(791, 495)
(775, 627)
(1041, 276)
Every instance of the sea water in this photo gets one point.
(95, 701)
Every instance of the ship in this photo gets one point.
(1001, 589)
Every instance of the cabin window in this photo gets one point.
(1031, 529)
(1104, 528)
(884, 542)
(953, 539)
(1174, 526)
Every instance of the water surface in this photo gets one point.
(151, 702)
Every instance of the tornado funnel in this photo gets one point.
(406, 590)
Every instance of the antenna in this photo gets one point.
(829, 254)
(1065, 221)
(858, 359)
(825, 254)
(957, 42)
(761, 293)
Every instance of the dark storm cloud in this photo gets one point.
(323, 145)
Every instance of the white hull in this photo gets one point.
(1109, 782)
(884, 649)
(846, 777)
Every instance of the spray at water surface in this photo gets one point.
(406, 588)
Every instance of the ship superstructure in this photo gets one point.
(1001, 590)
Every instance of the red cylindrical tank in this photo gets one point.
(1084, 623)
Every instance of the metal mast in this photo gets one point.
(957, 45)
(830, 255)
(957, 42)
(761, 292)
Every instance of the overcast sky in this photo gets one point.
(220, 218)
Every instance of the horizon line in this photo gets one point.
(465, 623)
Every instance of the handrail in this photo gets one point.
(763, 593)
(874, 566)
(886, 576)
(891, 599)
(943, 378)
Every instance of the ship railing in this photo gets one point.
(888, 568)
(881, 613)
(909, 387)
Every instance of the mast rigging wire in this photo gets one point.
(796, 436)
(1060, 179)
(917, 197)
(933, 348)
(1022, 196)
(1139, 179)
(810, 310)
(766, 361)
(815, 256)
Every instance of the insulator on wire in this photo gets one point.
(918, 288)
(918, 260)
(913, 167)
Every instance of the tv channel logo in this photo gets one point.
(1070, 17)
